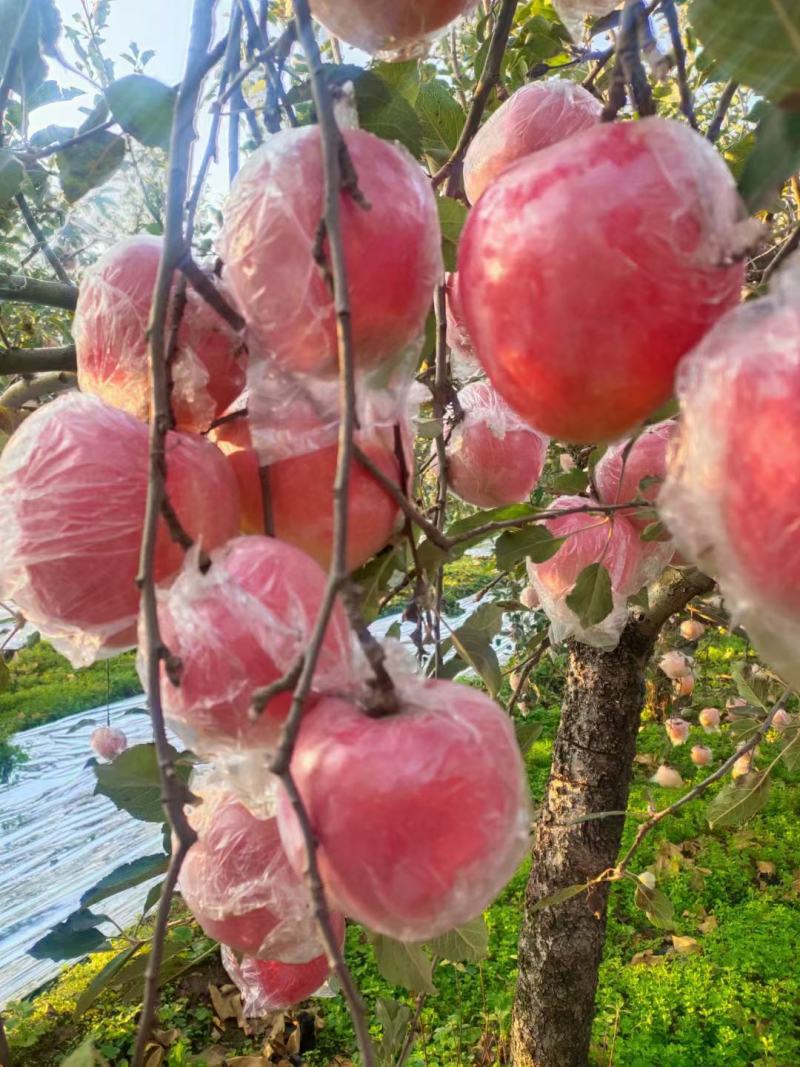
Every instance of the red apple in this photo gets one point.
(110, 331)
(421, 817)
(732, 494)
(301, 489)
(493, 457)
(392, 251)
(240, 626)
(388, 25)
(239, 885)
(536, 116)
(107, 742)
(590, 537)
(268, 985)
(73, 485)
(624, 466)
(588, 270)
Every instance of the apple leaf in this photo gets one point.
(403, 964)
(757, 42)
(591, 598)
(143, 107)
(467, 944)
(738, 801)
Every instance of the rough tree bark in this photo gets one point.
(561, 947)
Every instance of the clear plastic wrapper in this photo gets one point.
(238, 883)
(301, 474)
(592, 538)
(110, 331)
(623, 468)
(391, 29)
(464, 362)
(108, 742)
(393, 253)
(421, 817)
(573, 13)
(534, 117)
(269, 985)
(240, 626)
(73, 487)
(645, 221)
(493, 457)
(732, 494)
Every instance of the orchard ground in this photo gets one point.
(721, 988)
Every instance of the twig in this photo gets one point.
(383, 700)
(174, 249)
(490, 75)
(401, 499)
(36, 360)
(699, 789)
(288, 681)
(525, 671)
(725, 101)
(41, 240)
(25, 290)
(411, 1032)
(629, 69)
(440, 388)
(687, 103)
(18, 394)
(203, 285)
(233, 56)
(79, 138)
(526, 520)
(331, 144)
(787, 248)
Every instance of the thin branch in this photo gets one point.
(22, 392)
(233, 56)
(383, 700)
(36, 360)
(629, 69)
(78, 139)
(687, 103)
(332, 158)
(789, 246)
(525, 671)
(440, 392)
(699, 789)
(41, 240)
(401, 499)
(202, 284)
(174, 249)
(452, 171)
(24, 290)
(725, 101)
(526, 520)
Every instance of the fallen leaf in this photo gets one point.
(766, 867)
(708, 925)
(213, 1056)
(647, 957)
(686, 945)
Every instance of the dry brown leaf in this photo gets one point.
(213, 1056)
(248, 1061)
(708, 924)
(766, 867)
(166, 1037)
(647, 957)
(686, 945)
(155, 1058)
(227, 1005)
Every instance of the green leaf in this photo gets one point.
(133, 782)
(86, 1055)
(103, 979)
(745, 690)
(591, 598)
(773, 159)
(393, 1018)
(656, 906)
(738, 801)
(654, 531)
(467, 944)
(33, 32)
(76, 936)
(143, 107)
(12, 175)
(567, 893)
(50, 92)
(570, 482)
(373, 580)
(384, 111)
(534, 542)
(452, 216)
(527, 733)
(126, 876)
(403, 964)
(430, 556)
(441, 118)
(84, 166)
(473, 642)
(403, 76)
(757, 42)
(153, 897)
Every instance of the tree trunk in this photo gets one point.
(561, 947)
(5, 1052)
